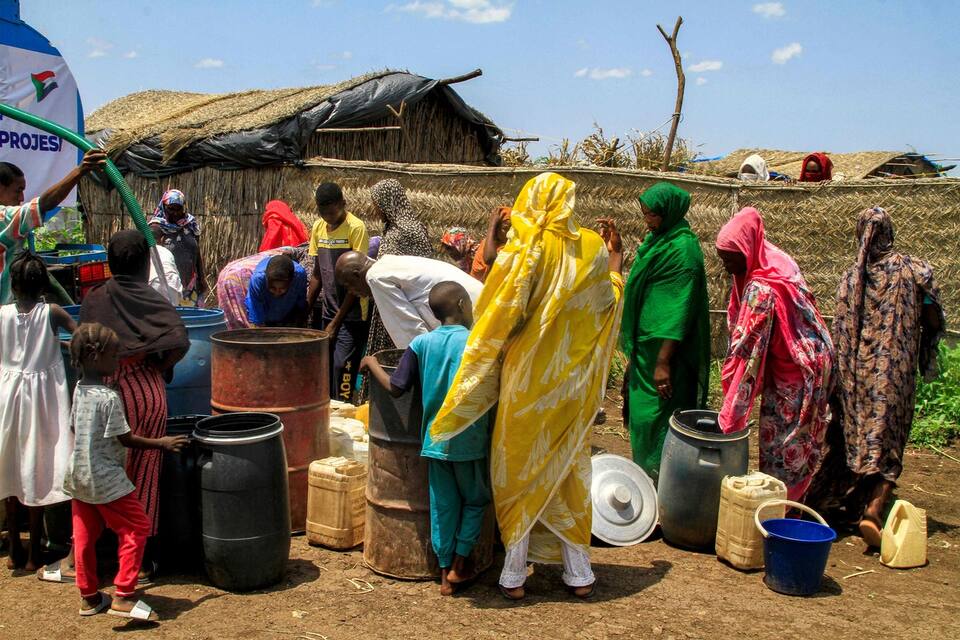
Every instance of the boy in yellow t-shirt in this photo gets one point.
(341, 314)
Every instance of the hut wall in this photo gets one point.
(431, 133)
(815, 224)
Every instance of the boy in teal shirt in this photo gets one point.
(458, 475)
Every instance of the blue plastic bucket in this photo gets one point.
(189, 392)
(795, 551)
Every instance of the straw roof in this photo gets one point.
(848, 165)
(182, 118)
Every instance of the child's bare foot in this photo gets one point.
(460, 572)
(446, 588)
(17, 557)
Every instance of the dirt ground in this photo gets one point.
(650, 590)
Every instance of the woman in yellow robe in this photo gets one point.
(547, 324)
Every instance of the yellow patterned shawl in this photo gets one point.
(547, 323)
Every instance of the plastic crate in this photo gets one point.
(85, 253)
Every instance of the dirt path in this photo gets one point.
(647, 591)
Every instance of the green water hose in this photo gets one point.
(74, 138)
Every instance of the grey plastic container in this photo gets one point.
(696, 457)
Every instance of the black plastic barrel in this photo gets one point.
(245, 510)
(178, 539)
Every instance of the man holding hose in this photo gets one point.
(18, 219)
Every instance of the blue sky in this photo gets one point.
(835, 75)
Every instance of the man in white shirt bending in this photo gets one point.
(400, 287)
(168, 286)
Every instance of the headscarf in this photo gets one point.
(546, 327)
(744, 233)
(896, 283)
(403, 233)
(664, 256)
(143, 319)
(461, 245)
(759, 166)
(479, 268)
(826, 167)
(188, 222)
(282, 228)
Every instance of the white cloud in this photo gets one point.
(130, 55)
(347, 55)
(770, 9)
(583, 44)
(701, 81)
(706, 65)
(781, 55)
(324, 67)
(646, 73)
(474, 11)
(99, 48)
(209, 63)
(616, 73)
(322, 3)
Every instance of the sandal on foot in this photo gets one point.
(53, 572)
(583, 596)
(514, 596)
(870, 531)
(141, 611)
(105, 601)
(148, 576)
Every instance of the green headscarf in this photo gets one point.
(667, 201)
(665, 299)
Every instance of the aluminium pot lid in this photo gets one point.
(624, 501)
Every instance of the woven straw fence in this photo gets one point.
(814, 223)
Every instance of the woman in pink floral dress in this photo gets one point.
(779, 345)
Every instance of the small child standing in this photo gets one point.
(458, 474)
(35, 439)
(96, 478)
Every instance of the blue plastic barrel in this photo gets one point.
(189, 392)
(795, 551)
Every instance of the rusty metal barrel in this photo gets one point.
(397, 529)
(284, 372)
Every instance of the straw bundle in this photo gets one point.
(814, 223)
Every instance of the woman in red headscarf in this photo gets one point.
(780, 345)
(281, 227)
(816, 167)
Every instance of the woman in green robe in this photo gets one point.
(666, 325)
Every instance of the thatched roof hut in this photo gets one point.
(846, 166)
(388, 115)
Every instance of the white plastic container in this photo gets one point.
(738, 541)
(903, 543)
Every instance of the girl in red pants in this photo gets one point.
(96, 477)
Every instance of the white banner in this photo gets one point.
(43, 85)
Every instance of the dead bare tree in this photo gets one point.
(681, 83)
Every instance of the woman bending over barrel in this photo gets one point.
(778, 344)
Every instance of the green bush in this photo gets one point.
(46, 239)
(937, 417)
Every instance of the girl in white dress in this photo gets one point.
(35, 438)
